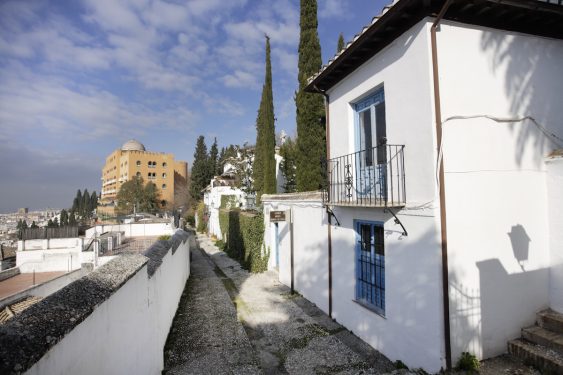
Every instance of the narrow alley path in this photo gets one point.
(232, 322)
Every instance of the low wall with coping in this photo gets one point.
(52, 260)
(115, 320)
(10, 272)
(45, 289)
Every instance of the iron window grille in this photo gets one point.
(370, 266)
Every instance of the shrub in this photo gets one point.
(243, 234)
(468, 362)
(164, 237)
(228, 201)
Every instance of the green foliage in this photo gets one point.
(264, 168)
(311, 140)
(133, 193)
(200, 175)
(340, 45)
(201, 218)
(399, 365)
(243, 236)
(83, 205)
(468, 362)
(72, 219)
(220, 244)
(288, 151)
(228, 201)
(34, 225)
(64, 218)
(164, 237)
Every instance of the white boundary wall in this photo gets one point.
(133, 229)
(51, 260)
(127, 332)
(555, 201)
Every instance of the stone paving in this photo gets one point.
(232, 322)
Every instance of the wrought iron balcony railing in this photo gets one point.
(369, 178)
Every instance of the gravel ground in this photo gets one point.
(232, 322)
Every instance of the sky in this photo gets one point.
(78, 78)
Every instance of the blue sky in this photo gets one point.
(79, 78)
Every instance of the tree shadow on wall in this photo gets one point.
(533, 79)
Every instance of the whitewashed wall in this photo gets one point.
(126, 333)
(133, 229)
(50, 260)
(53, 243)
(310, 246)
(555, 203)
(497, 207)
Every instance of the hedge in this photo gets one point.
(243, 235)
(201, 218)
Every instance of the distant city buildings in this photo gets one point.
(132, 160)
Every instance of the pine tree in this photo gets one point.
(213, 159)
(93, 201)
(311, 139)
(340, 45)
(85, 206)
(34, 224)
(220, 162)
(64, 218)
(55, 223)
(72, 219)
(264, 168)
(199, 176)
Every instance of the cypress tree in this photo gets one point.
(93, 201)
(85, 206)
(213, 159)
(77, 201)
(72, 219)
(265, 135)
(64, 218)
(198, 177)
(311, 139)
(287, 166)
(340, 45)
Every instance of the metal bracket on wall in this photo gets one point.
(397, 221)
(331, 213)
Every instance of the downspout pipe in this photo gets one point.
(329, 233)
(442, 188)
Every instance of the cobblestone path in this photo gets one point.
(233, 322)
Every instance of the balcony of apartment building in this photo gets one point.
(373, 177)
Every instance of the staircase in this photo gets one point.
(542, 345)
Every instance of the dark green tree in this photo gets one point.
(340, 45)
(72, 219)
(220, 162)
(311, 138)
(77, 203)
(199, 177)
(264, 168)
(93, 201)
(50, 223)
(85, 206)
(213, 159)
(55, 223)
(135, 195)
(64, 218)
(288, 165)
(34, 225)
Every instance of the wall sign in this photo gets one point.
(277, 216)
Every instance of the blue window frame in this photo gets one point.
(370, 265)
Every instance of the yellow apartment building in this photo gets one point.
(132, 159)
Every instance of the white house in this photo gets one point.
(441, 228)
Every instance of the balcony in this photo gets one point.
(368, 178)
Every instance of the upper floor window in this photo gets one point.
(163, 186)
(370, 265)
(138, 163)
(164, 175)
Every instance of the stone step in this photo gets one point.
(542, 336)
(550, 320)
(545, 359)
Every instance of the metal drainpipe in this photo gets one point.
(444, 233)
(329, 230)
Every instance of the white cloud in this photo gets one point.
(333, 9)
(240, 79)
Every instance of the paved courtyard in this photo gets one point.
(232, 322)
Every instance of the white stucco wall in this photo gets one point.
(555, 203)
(49, 260)
(310, 247)
(497, 207)
(133, 229)
(126, 333)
